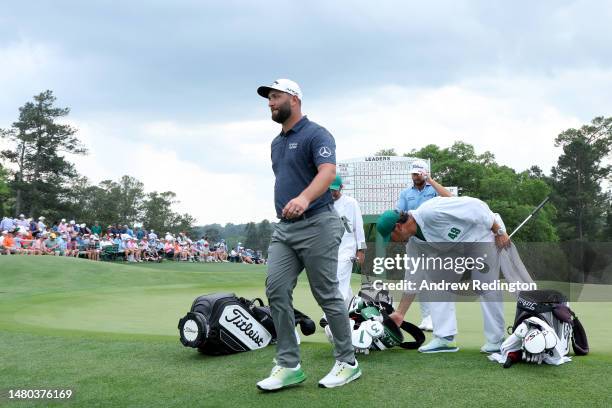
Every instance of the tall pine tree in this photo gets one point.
(38, 147)
(577, 179)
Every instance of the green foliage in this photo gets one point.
(607, 233)
(213, 234)
(577, 179)
(252, 236)
(264, 231)
(386, 152)
(125, 202)
(38, 144)
(4, 191)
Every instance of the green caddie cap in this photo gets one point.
(336, 183)
(386, 223)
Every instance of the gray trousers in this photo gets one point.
(310, 244)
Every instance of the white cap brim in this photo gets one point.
(283, 85)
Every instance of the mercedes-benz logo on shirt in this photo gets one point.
(325, 151)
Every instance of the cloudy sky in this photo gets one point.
(165, 91)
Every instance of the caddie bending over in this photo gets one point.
(423, 188)
(451, 226)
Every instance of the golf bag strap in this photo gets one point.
(257, 300)
(416, 333)
(580, 343)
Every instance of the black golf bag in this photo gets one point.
(552, 307)
(221, 323)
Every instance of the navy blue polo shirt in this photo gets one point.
(296, 155)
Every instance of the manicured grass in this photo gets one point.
(108, 331)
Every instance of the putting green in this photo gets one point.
(109, 331)
(148, 299)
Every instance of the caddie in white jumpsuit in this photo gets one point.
(353, 243)
(423, 188)
(451, 226)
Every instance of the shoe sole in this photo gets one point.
(453, 350)
(282, 387)
(356, 376)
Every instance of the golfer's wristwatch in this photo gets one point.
(501, 231)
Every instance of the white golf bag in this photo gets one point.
(544, 327)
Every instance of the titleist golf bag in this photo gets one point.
(221, 323)
(544, 326)
(372, 328)
(552, 307)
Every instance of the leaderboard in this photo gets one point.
(376, 181)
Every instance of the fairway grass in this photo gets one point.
(108, 331)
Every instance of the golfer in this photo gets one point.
(307, 237)
(459, 227)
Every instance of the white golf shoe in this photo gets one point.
(340, 374)
(439, 345)
(282, 377)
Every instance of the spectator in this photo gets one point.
(22, 222)
(52, 244)
(62, 228)
(41, 224)
(96, 229)
(72, 248)
(8, 242)
(140, 233)
(34, 227)
(7, 224)
(233, 256)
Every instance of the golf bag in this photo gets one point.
(221, 323)
(372, 328)
(552, 307)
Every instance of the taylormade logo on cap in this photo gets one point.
(283, 85)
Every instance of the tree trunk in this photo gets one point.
(19, 180)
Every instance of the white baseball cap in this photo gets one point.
(283, 85)
(418, 167)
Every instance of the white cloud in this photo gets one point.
(221, 171)
(517, 121)
(209, 196)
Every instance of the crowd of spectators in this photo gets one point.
(21, 236)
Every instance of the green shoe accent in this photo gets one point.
(282, 377)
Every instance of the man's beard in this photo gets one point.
(282, 114)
